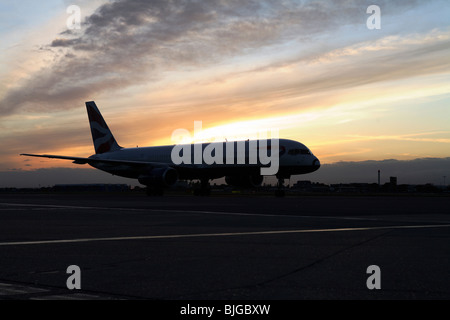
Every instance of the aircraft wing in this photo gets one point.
(80, 160)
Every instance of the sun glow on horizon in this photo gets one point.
(315, 74)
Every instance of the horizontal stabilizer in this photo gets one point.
(79, 160)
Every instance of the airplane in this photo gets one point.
(155, 167)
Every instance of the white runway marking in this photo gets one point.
(13, 289)
(108, 210)
(71, 296)
(35, 293)
(226, 234)
(186, 211)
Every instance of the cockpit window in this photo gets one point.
(295, 152)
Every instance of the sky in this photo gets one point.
(314, 70)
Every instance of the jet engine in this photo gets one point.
(246, 181)
(159, 177)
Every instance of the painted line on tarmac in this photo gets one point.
(50, 206)
(226, 234)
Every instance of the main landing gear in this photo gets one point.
(204, 189)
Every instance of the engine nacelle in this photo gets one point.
(159, 177)
(246, 181)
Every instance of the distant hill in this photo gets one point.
(418, 171)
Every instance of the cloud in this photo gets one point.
(133, 42)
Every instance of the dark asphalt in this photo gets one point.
(129, 246)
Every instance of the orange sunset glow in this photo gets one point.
(312, 70)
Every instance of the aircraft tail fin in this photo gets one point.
(101, 135)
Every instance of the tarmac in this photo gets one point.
(235, 247)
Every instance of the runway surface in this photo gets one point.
(129, 246)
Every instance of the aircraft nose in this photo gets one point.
(316, 163)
